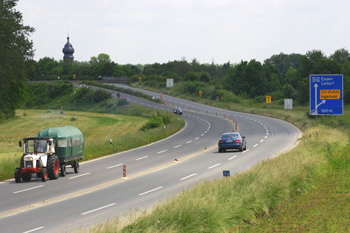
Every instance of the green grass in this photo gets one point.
(97, 128)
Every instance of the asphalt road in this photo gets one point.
(153, 173)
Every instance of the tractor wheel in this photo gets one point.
(26, 176)
(76, 166)
(44, 174)
(63, 170)
(53, 167)
(17, 175)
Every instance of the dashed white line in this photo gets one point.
(186, 177)
(202, 134)
(196, 138)
(79, 176)
(36, 229)
(142, 157)
(261, 140)
(255, 145)
(152, 190)
(214, 166)
(115, 166)
(265, 137)
(24, 190)
(159, 152)
(232, 157)
(188, 142)
(103, 207)
(177, 146)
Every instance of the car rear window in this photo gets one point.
(229, 136)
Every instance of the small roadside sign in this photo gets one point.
(226, 173)
(268, 99)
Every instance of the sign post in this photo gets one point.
(326, 94)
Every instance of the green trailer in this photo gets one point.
(68, 140)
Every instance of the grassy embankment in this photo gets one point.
(306, 189)
(97, 128)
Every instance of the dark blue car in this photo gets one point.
(232, 140)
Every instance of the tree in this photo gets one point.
(16, 50)
(340, 56)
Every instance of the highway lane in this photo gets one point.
(262, 134)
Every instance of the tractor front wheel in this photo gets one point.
(44, 174)
(17, 175)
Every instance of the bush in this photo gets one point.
(157, 121)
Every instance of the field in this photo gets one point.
(97, 129)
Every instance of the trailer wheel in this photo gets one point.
(26, 176)
(76, 166)
(53, 167)
(17, 175)
(63, 170)
(44, 174)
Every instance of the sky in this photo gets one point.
(210, 31)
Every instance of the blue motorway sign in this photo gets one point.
(326, 94)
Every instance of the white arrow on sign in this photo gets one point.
(317, 105)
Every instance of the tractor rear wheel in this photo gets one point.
(53, 167)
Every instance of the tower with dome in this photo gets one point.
(68, 51)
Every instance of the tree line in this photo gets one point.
(280, 76)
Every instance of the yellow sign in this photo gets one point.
(268, 99)
(140, 79)
(329, 94)
(200, 93)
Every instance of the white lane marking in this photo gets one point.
(186, 177)
(36, 229)
(232, 157)
(149, 191)
(265, 137)
(103, 207)
(214, 166)
(261, 140)
(85, 174)
(161, 151)
(188, 142)
(142, 157)
(255, 145)
(196, 138)
(114, 166)
(177, 146)
(20, 191)
(202, 134)
(205, 131)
